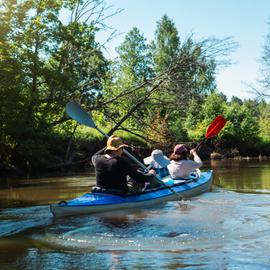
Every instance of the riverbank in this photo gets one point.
(80, 161)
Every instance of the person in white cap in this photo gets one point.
(158, 162)
(180, 166)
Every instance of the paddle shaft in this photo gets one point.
(200, 143)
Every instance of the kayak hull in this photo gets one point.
(91, 203)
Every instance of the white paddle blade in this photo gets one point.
(76, 112)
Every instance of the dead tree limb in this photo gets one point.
(134, 108)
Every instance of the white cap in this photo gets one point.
(158, 158)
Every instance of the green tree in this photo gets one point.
(264, 122)
(130, 69)
(48, 63)
(203, 115)
(235, 99)
(265, 69)
(166, 44)
(189, 74)
(242, 129)
(187, 71)
(134, 57)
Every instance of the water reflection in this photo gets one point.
(25, 192)
(249, 176)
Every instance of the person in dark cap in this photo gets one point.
(180, 166)
(112, 169)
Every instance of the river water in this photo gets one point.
(225, 228)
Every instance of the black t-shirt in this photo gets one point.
(112, 171)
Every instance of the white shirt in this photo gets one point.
(183, 168)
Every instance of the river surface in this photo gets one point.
(225, 228)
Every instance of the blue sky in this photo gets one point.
(246, 21)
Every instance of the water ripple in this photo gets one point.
(17, 220)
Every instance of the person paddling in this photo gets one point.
(180, 166)
(112, 169)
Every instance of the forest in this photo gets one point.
(153, 94)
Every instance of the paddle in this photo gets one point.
(76, 112)
(214, 128)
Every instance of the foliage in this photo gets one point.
(159, 79)
(242, 129)
(159, 92)
(131, 68)
(165, 47)
(48, 63)
(265, 69)
(264, 122)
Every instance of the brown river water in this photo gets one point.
(225, 228)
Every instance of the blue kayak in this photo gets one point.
(91, 203)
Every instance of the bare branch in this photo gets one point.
(134, 108)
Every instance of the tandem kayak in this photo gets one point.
(91, 203)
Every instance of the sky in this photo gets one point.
(246, 21)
